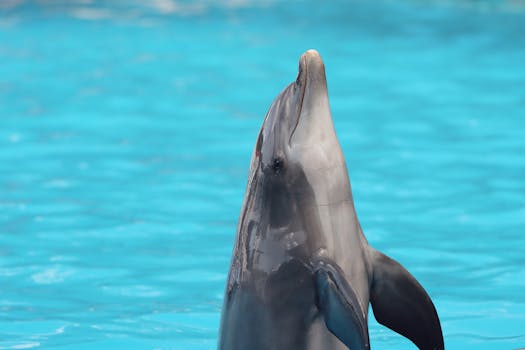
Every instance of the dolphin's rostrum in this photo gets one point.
(302, 273)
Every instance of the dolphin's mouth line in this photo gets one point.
(300, 102)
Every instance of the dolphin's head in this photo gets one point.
(297, 142)
(297, 165)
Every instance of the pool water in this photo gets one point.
(126, 131)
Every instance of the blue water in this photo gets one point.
(126, 131)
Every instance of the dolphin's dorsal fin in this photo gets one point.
(400, 303)
(340, 307)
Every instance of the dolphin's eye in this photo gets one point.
(277, 164)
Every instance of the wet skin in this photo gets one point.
(302, 273)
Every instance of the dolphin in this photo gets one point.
(302, 273)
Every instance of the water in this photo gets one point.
(125, 137)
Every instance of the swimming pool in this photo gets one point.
(126, 132)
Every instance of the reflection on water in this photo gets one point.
(125, 137)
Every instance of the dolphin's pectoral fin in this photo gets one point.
(340, 307)
(400, 303)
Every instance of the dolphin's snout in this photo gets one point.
(310, 60)
(312, 56)
(311, 67)
(313, 111)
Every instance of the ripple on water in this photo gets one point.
(126, 134)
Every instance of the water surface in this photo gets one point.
(125, 137)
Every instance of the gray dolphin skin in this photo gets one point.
(302, 273)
